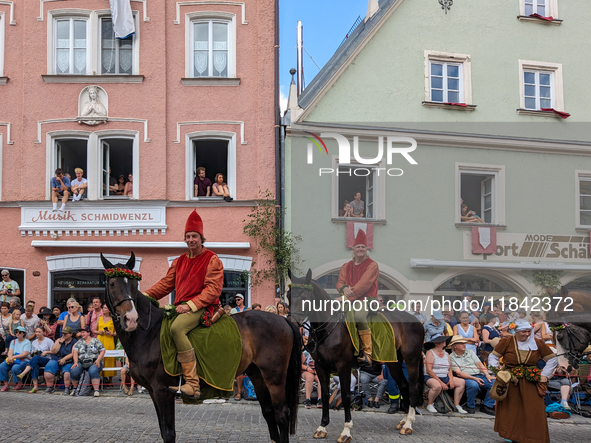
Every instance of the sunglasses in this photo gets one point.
(70, 307)
(5, 275)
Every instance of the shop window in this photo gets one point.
(81, 285)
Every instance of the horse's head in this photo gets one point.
(122, 291)
(571, 341)
(300, 296)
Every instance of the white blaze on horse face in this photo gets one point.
(131, 318)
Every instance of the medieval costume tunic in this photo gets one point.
(521, 417)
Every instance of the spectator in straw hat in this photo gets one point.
(465, 364)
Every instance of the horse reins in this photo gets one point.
(116, 316)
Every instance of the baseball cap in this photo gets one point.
(467, 294)
(239, 296)
(437, 314)
(21, 329)
(67, 330)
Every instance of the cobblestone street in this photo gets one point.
(55, 418)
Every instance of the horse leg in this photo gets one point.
(324, 379)
(163, 401)
(344, 372)
(267, 406)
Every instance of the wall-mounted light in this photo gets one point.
(446, 4)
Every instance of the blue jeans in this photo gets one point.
(95, 373)
(16, 369)
(393, 391)
(473, 388)
(53, 367)
(35, 363)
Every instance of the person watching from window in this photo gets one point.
(346, 211)
(60, 188)
(202, 184)
(120, 185)
(78, 185)
(469, 216)
(8, 287)
(220, 189)
(357, 206)
(128, 190)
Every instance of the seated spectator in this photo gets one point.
(435, 326)
(220, 189)
(30, 322)
(88, 355)
(309, 375)
(373, 374)
(62, 349)
(560, 381)
(60, 188)
(14, 323)
(18, 356)
(489, 332)
(128, 191)
(228, 309)
(9, 288)
(5, 320)
(239, 300)
(474, 320)
(467, 331)
(41, 348)
(78, 186)
(346, 211)
(419, 315)
(357, 206)
(202, 184)
(256, 306)
(272, 309)
(124, 371)
(469, 216)
(281, 309)
(540, 331)
(14, 303)
(465, 364)
(439, 375)
(120, 185)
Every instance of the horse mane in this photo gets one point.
(319, 290)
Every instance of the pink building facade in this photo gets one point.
(194, 86)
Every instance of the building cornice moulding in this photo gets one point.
(133, 244)
(210, 122)
(92, 79)
(110, 119)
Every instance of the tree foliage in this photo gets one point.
(277, 249)
(550, 279)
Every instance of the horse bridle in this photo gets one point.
(117, 317)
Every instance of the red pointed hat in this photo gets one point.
(361, 239)
(194, 223)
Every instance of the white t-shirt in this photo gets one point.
(78, 183)
(30, 323)
(45, 345)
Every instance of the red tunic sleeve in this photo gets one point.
(166, 285)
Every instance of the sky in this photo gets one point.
(326, 23)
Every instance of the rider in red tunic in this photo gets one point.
(358, 279)
(198, 277)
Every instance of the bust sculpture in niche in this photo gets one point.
(93, 112)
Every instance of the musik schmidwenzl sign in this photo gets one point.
(87, 218)
(534, 247)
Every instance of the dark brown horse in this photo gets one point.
(332, 350)
(271, 356)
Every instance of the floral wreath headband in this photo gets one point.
(121, 272)
(299, 286)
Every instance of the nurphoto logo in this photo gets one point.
(394, 145)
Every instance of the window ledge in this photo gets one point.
(357, 219)
(449, 106)
(532, 113)
(210, 81)
(480, 225)
(92, 78)
(582, 229)
(527, 18)
(3, 80)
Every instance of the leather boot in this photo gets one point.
(189, 367)
(364, 358)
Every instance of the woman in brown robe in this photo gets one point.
(521, 416)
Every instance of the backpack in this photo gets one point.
(444, 404)
(84, 388)
(335, 401)
(357, 401)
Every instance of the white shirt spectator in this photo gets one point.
(30, 323)
(45, 345)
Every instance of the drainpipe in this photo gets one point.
(278, 138)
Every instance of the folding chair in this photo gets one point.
(115, 354)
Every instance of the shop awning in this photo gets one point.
(134, 244)
(428, 263)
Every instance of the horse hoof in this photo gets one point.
(320, 434)
(344, 439)
(399, 426)
(406, 431)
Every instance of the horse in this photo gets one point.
(332, 350)
(271, 356)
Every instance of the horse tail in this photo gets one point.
(294, 374)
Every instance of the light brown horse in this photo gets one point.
(271, 356)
